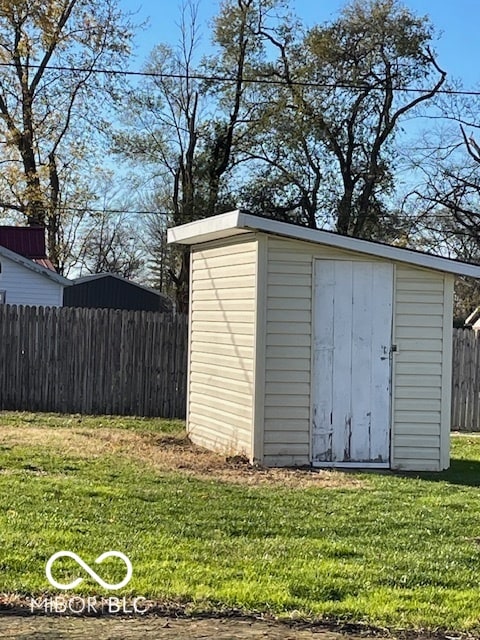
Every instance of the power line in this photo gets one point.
(140, 212)
(264, 81)
(89, 210)
(401, 217)
(115, 211)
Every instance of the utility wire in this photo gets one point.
(264, 81)
(226, 79)
(400, 217)
(126, 211)
(90, 210)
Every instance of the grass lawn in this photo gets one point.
(385, 550)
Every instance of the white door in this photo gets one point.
(352, 372)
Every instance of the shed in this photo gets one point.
(111, 291)
(311, 348)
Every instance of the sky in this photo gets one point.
(457, 21)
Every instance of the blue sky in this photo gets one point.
(458, 22)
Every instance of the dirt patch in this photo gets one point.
(58, 628)
(166, 452)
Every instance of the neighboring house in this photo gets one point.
(311, 348)
(27, 276)
(111, 291)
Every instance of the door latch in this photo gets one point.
(386, 351)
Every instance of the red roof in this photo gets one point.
(28, 242)
(45, 262)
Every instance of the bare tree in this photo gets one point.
(345, 89)
(111, 246)
(49, 52)
(173, 127)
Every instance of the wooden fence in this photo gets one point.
(466, 380)
(102, 361)
(93, 361)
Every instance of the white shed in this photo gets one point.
(311, 348)
(24, 282)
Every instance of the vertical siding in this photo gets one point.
(26, 287)
(222, 344)
(419, 369)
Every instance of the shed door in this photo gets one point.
(352, 373)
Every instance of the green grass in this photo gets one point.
(55, 420)
(397, 551)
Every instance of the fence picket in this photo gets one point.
(466, 380)
(92, 361)
(130, 362)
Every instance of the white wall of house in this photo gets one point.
(23, 286)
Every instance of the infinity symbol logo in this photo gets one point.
(89, 570)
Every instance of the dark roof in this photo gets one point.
(27, 241)
(111, 291)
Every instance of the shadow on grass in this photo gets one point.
(462, 472)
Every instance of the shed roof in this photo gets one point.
(34, 266)
(239, 222)
(96, 276)
(113, 291)
(100, 276)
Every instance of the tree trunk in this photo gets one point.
(345, 212)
